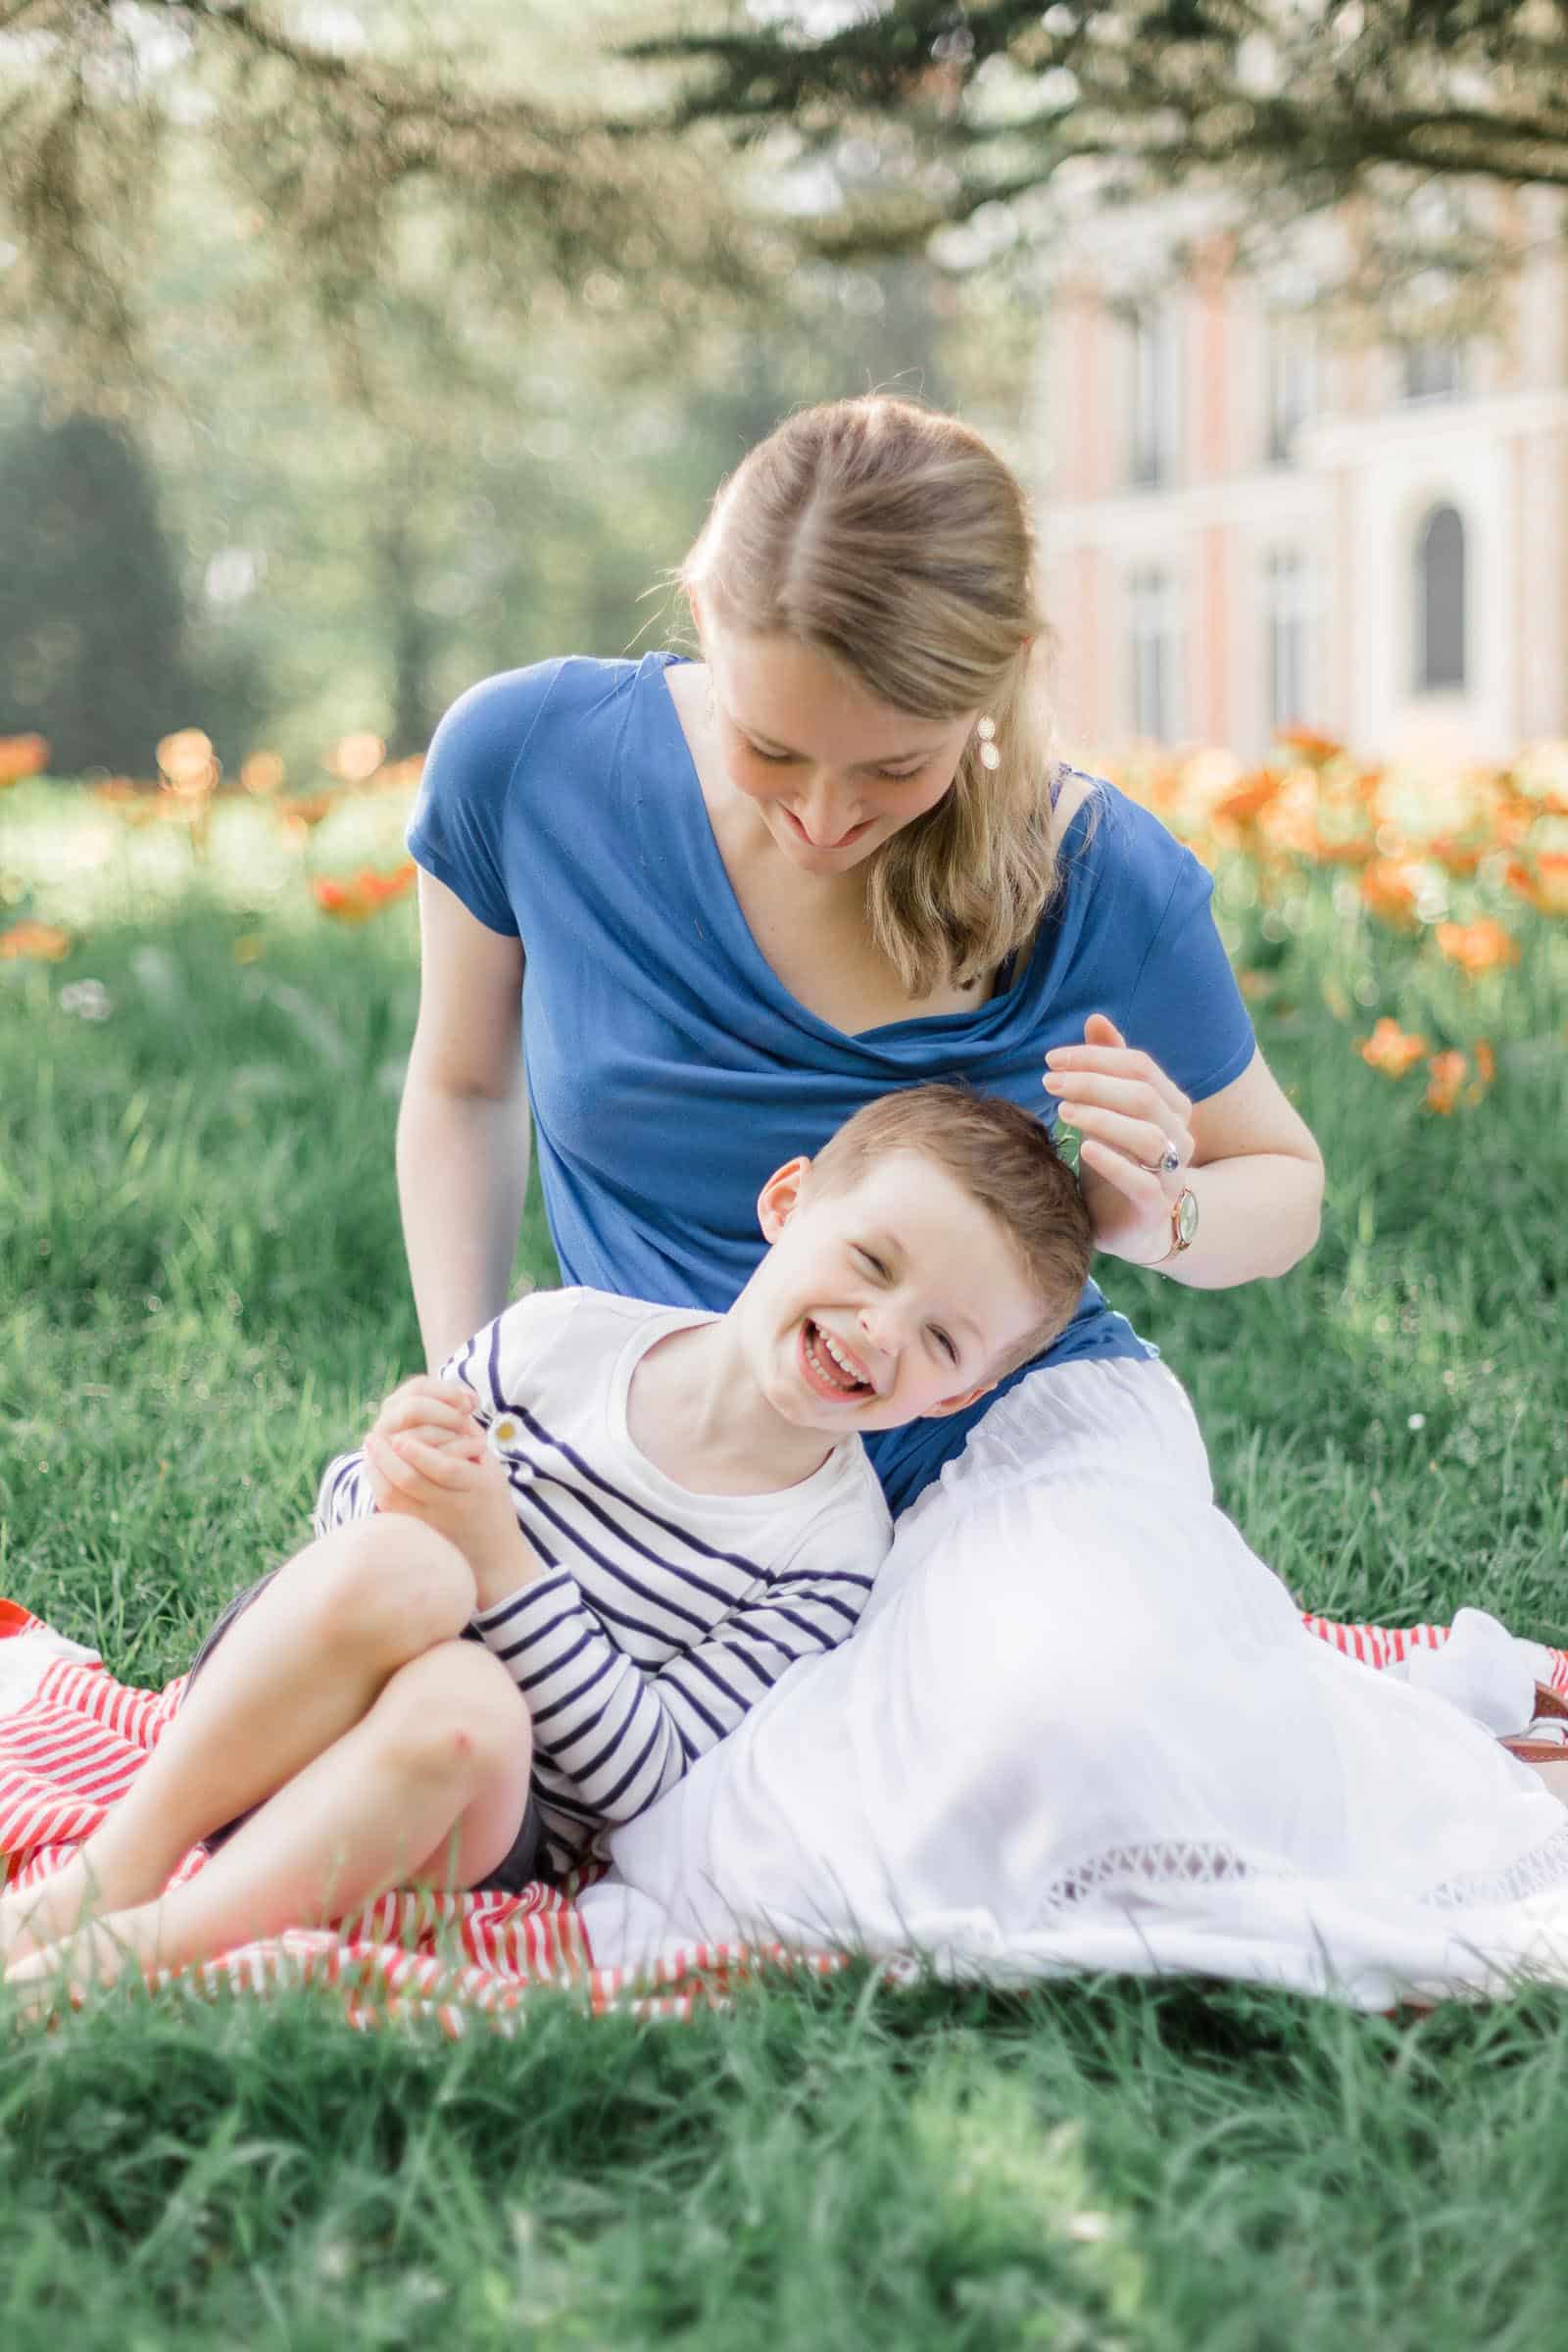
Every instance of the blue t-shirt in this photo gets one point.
(670, 1071)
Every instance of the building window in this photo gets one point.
(1434, 371)
(1291, 385)
(1151, 407)
(1440, 602)
(1151, 602)
(1287, 607)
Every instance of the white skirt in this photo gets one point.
(1081, 1726)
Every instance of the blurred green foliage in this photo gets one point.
(409, 436)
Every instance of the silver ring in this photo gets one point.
(1170, 1159)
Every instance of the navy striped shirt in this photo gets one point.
(662, 1615)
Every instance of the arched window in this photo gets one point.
(1440, 602)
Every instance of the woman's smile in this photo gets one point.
(845, 840)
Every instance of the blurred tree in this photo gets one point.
(332, 131)
(413, 425)
(1308, 99)
(334, 266)
(904, 119)
(92, 631)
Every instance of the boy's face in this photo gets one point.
(894, 1298)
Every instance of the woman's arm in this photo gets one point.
(1257, 1176)
(463, 1129)
(1248, 1156)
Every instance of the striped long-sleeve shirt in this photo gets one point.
(662, 1615)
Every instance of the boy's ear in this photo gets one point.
(779, 1197)
(956, 1404)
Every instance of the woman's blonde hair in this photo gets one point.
(895, 541)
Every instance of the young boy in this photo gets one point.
(647, 1514)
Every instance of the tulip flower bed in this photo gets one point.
(206, 995)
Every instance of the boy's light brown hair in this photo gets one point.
(1005, 1160)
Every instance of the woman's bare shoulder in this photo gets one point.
(1073, 789)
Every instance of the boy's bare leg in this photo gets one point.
(299, 1667)
(430, 1787)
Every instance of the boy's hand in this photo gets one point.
(427, 1458)
(443, 1409)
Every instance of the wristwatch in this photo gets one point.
(1182, 1223)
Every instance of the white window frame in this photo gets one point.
(1289, 382)
(1152, 396)
(1153, 645)
(1289, 612)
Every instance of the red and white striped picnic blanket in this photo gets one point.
(76, 1740)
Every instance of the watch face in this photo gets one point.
(1186, 1218)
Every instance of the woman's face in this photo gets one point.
(832, 773)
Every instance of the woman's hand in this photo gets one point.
(1129, 1116)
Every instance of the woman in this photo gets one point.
(834, 857)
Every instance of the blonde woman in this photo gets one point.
(833, 857)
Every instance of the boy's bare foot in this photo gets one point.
(40, 1915)
(51, 1976)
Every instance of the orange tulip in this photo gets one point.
(1316, 750)
(300, 816)
(364, 894)
(1250, 797)
(1478, 947)
(1512, 820)
(1349, 849)
(1391, 1049)
(1391, 887)
(34, 943)
(1449, 1079)
(1544, 883)
(1539, 779)
(21, 755)
(397, 884)
(1458, 858)
(1446, 1074)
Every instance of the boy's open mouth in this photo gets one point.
(828, 1365)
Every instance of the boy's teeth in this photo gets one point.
(835, 1363)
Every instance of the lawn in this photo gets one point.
(204, 1295)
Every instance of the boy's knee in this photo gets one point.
(393, 1585)
(454, 1711)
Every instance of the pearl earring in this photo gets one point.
(986, 729)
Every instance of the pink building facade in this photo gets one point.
(1247, 523)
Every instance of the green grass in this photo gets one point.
(203, 1295)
